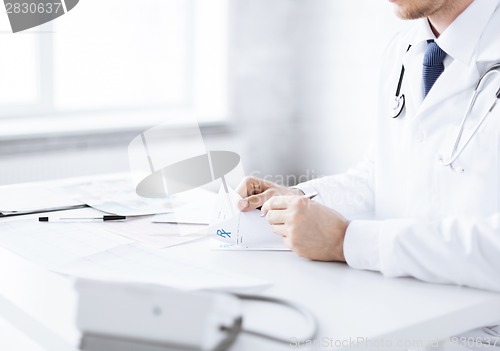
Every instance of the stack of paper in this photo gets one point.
(117, 196)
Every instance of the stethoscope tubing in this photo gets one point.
(456, 151)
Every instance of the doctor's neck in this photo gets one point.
(440, 13)
(441, 19)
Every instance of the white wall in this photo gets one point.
(305, 78)
(340, 60)
(263, 82)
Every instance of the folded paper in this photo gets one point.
(242, 229)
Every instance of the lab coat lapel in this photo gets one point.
(454, 79)
(489, 46)
(413, 91)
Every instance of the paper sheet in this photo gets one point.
(155, 235)
(200, 216)
(81, 250)
(56, 244)
(217, 245)
(23, 197)
(117, 196)
(198, 211)
(242, 229)
(132, 263)
(139, 229)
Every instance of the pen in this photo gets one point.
(82, 219)
(311, 195)
(307, 196)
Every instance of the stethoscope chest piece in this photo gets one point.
(398, 106)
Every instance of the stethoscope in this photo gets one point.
(399, 106)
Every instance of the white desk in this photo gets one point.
(349, 304)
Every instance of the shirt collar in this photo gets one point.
(461, 38)
(424, 31)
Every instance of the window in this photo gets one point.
(128, 54)
(19, 81)
(115, 61)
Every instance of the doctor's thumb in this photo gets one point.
(252, 202)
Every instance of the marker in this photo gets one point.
(82, 219)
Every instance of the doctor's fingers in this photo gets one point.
(279, 229)
(279, 203)
(276, 216)
(254, 201)
(252, 186)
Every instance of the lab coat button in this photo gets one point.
(419, 137)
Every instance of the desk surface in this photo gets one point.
(350, 305)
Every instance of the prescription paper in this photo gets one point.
(243, 230)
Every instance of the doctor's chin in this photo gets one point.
(244, 175)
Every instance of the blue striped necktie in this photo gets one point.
(433, 65)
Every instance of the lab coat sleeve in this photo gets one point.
(463, 251)
(350, 193)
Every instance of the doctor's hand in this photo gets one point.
(310, 229)
(255, 192)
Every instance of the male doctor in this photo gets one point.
(401, 211)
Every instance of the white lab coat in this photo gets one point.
(410, 215)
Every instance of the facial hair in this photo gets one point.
(413, 9)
